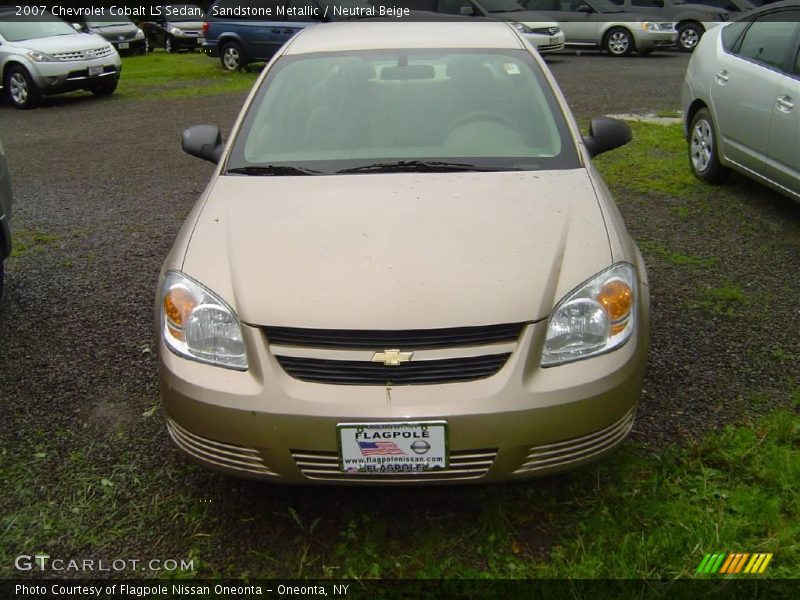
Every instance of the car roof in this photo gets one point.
(387, 35)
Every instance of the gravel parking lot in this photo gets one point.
(102, 187)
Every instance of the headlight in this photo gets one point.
(175, 31)
(197, 324)
(597, 317)
(647, 26)
(139, 35)
(40, 56)
(522, 28)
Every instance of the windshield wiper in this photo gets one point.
(419, 166)
(278, 170)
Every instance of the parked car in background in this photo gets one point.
(121, 32)
(238, 40)
(405, 269)
(44, 55)
(602, 24)
(6, 201)
(542, 32)
(174, 27)
(692, 20)
(741, 100)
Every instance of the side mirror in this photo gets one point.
(203, 141)
(466, 11)
(585, 8)
(77, 27)
(606, 134)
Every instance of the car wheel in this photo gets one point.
(149, 45)
(105, 88)
(21, 89)
(618, 42)
(689, 35)
(703, 149)
(232, 57)
(168, 45)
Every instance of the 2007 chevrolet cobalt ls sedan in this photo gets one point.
(405, 269)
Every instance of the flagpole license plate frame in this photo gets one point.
(410, 439)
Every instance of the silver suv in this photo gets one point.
(41, 54)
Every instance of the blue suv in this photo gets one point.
(239, 32)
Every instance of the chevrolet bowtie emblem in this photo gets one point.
(392, 358)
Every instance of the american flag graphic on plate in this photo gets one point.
(380, 448)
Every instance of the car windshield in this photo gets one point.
(500, 6)
(403, 111)
(15, 29)
(604, 6)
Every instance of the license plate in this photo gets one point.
(124, 45)
(553, 41)
(404, 447)
(95, 71)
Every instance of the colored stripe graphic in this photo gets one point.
(734, 562)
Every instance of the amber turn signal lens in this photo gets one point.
(617, 298)
(178, 303)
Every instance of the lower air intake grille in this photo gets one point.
(346, 372)
(577, 449)
(464, 464)
(237, 458)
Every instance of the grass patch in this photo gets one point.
(655, 161)
(727, 300)
(162, 75)
(31, 240)
(675, 258)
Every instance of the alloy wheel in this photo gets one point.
(18, 88)
(702, 145)
(231, 58)
(618, 42)
(689, 38)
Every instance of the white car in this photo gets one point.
(741, 100)
(41, 54)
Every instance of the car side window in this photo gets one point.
(767, 41)
(648, 3)
(796, 68)
(618, 2)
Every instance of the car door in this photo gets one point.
(579, 26)
(745, 88)
(783, 146)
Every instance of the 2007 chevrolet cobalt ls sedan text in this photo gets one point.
(405, 269)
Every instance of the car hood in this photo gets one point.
(115, 29)
(64, 43)
(528, 17)
(187, 25)
(398, 251)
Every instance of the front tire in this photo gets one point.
(689, 35)
(169, 45)
(232, 57)
(704, 149)
(618, 42)
(21, 89)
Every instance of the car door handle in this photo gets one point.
(721, 77)
(784, 103)
(275, 30)
(288, 30)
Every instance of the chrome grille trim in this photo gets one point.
(464, 464)
(577, 449)
(84, 54)
(229, 456)
(547, 30)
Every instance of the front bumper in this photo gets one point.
(187, 42)
(67, 76)
(545, 44)
(522, 422)
(648, 40)
(130, 46)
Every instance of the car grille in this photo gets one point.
(464, 464)
(410, 339)
(546, 30)
(547, 47)
(229, 456)
(353, 372)
(557, 454)
(84, 54)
